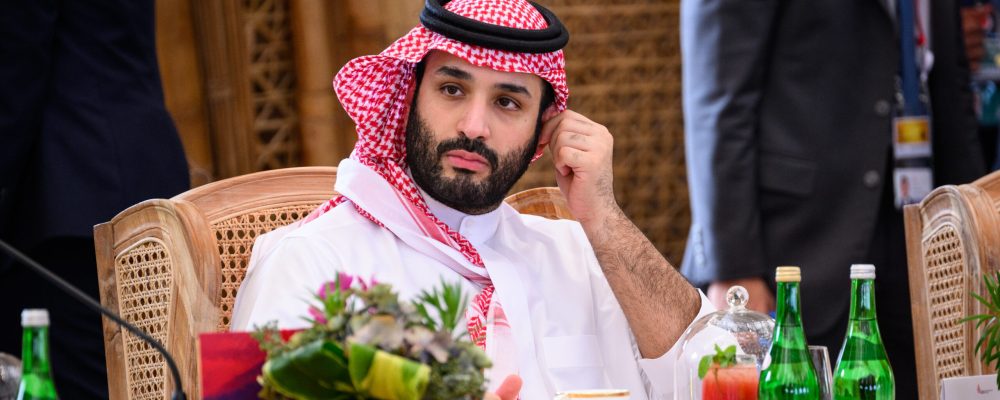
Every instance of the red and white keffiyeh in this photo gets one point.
(373, 90)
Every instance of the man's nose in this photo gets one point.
(474, 123)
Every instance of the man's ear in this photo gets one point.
(409, 98)
(411, 90)
(549, 113)
(543, 141)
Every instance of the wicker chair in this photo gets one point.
(173, 267)
(952, 239)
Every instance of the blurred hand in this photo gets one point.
(973, 21)
(761, 299)
(508, 390)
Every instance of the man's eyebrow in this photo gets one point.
(454, 73)
(513, 88)
(458, 73)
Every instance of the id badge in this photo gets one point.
(911, 184)
(912, 177)
(911, 137)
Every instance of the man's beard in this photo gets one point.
(462, 192)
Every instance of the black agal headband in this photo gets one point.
(467, 30)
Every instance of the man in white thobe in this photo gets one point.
(447, 123)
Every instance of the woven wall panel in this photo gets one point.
(272, 78)
(623, 64)
(145, 289)
(946, 281)
(235, 237)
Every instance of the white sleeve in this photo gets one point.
(279, 285)
(663, 366)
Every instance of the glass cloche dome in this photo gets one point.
(722, 353)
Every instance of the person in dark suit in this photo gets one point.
(788, 111)
(84, 134)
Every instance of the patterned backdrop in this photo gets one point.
(623, 64)
(272, 82)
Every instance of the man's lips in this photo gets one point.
(466, 160)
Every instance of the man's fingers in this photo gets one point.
(575, 140)
(567, 120)
(549, 127)
(510, 388)
(568, 159)
(561, 166)
(559, 130)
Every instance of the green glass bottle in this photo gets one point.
(790, 374)
(36, 373)
(863, 370)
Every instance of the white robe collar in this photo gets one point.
(476, 228)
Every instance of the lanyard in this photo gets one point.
(912, 173)
(912, 69)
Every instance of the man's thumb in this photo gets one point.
(510, 388)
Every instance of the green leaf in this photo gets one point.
(988, 324)
(991, 306)
(387, 376)
(311, 371)
(703, 366)
(449, 303)
(991, 288)
(429, 321)
(723, 357)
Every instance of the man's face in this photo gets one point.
(471, 132)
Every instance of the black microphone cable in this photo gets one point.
(83, 298)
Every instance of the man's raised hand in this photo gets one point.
(581, 151)
(641, 279)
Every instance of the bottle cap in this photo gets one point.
(34, 317)
(862, 271)
(787, 274)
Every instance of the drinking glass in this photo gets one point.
(824, 374)
(596, 394)
(10, 376)
(738, 381)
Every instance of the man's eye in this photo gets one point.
(508, 103)
(451, 90)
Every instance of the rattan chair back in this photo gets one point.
(173, 267)
(547, 202)
(952, 239)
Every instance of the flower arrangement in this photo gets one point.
(364, 343)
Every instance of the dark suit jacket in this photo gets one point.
(83, 130)
(788, 105)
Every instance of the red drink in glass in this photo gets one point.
(738, 382)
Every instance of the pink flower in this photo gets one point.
(366, 285)
(327, 287)
(317, 314)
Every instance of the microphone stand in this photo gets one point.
(89, 302)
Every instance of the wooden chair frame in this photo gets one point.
(952, 239)
(160, 266)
